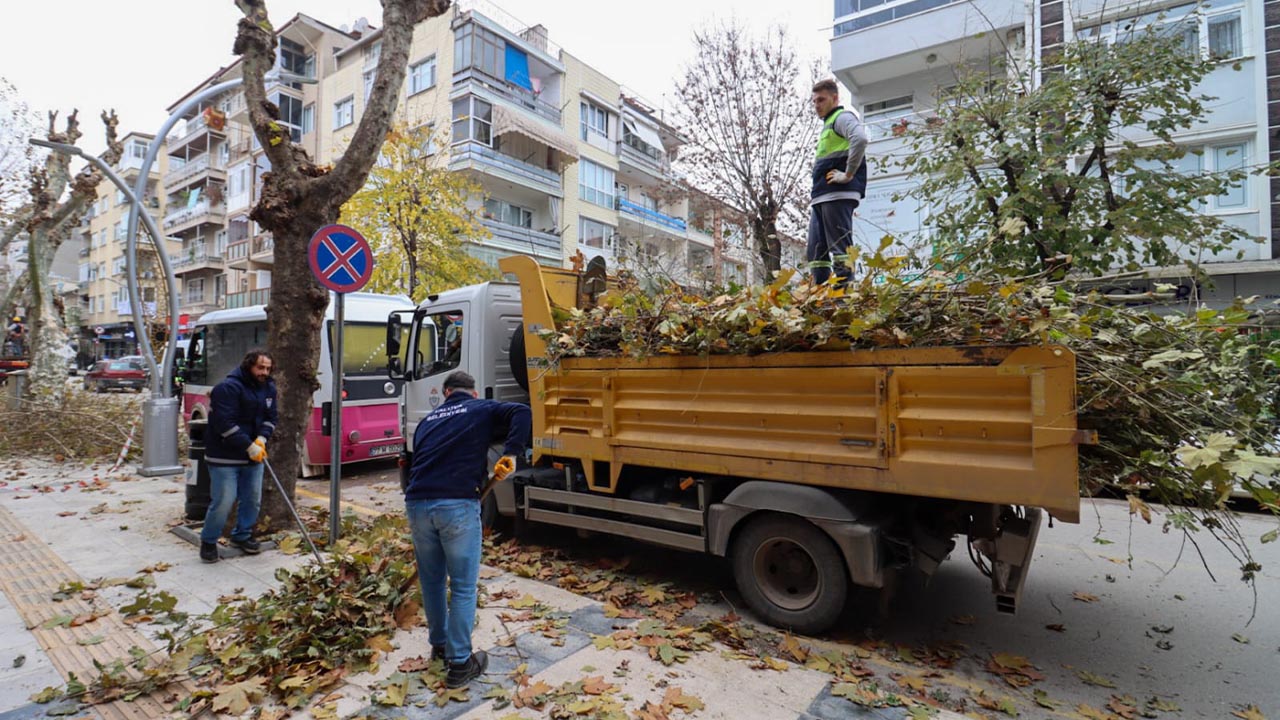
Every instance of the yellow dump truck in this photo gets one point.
(809, 471)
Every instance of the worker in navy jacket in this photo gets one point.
(442, 502)
(242, 416)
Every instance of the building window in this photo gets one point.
(422, 75)
(472, 120)
(138, 149)
(308, 119)
(595, 119)
(295, 59)
(290, 114)
(343, 112)
(478, 48)
(1231, 157)
(596, 235)
(195, 291)
(1213, 32)
(508, 214)
(369, 76)
(119, 231)
(595, 183)
(880, 116)
(117, 267)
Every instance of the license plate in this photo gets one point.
(381, 450)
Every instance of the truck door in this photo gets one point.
(442, 343)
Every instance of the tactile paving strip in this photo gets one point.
(30, 574)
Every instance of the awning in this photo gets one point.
(506, 121)
(647, 135)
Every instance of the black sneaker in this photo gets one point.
(209, 552)
(249, 546)
(437, 653)
(462, 673)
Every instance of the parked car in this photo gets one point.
(135, 360)
(118, 374)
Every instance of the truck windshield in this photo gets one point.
(364, 348)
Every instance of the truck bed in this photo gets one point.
(988, 424)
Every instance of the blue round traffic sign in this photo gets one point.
(340, 258)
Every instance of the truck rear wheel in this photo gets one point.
(790, 573)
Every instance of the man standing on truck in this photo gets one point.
(442, 501)
(242, 417)
(839, 181)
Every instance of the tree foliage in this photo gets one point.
(750, 131)
(415, 213)
(1079, 171)
(298, 197)
(17, 157)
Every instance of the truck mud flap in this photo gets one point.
(1014, 547)
(615, 516)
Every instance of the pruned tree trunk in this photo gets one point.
(48, 223)
(298, 198)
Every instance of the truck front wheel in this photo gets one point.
(790, 573)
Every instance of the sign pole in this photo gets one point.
(342, 261)
(335, 421)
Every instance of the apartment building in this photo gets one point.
(106, 317)
(567, 158)
(896, 55)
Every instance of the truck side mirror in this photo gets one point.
(395, 369)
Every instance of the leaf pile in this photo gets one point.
(322, 623)
(1186, 404)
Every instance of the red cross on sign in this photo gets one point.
(340, 258)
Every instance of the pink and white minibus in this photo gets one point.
(370, 408)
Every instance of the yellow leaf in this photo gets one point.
(290, 545)
(527, 601)
(238, 698)
(1092, 713)
(326, 711)
(444, 696)
(776, 664)
(676, 697)
(913, 682)
(379, 642)
(1138, 507)
(1084, 597)
(1250, 713)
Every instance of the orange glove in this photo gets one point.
(504, 467)
(258, 450)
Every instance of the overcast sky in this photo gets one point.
(142, 55)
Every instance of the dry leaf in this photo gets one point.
(1250, 713)
(1084, 597)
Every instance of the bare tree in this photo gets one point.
(299, 197)
(751, 131)
(47, 220)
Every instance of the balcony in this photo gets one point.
(245, 299)
(201, 212)
(501, 90)
(481, 158)
(641, 154)
(197, 308)
(942, 32)
(262, 248)
(651, 217)
(237, 251)
(194, 169)
(194, 260)
(523, 240)
(197, 136)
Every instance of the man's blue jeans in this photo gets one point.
(446, 541)
(227, 483)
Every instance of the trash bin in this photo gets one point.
(198, 497)
(15, 385)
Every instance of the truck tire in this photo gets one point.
(516, 355)
(790, 573)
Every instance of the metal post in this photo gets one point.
(335, 421)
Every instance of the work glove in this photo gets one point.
(504, 467)
(258, 450)
(838, 177)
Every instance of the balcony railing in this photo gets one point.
(245, 299)
(195, 126)
(470, 153)
(522, 239)
(633, 147)
(263, 245)
(238, 250)
(199, 257)
(651, 216)
(515, 96)
(201, 211)
(189, 170)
